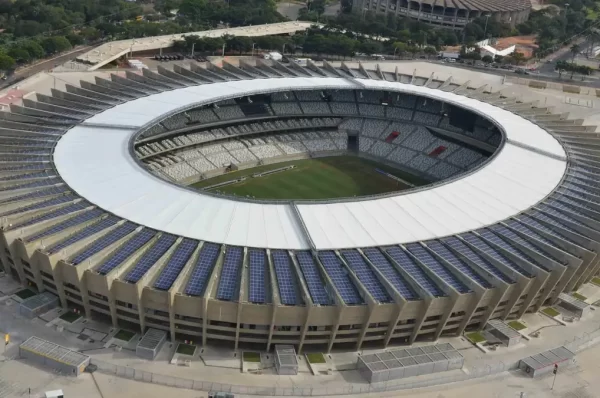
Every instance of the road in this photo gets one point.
(48, 64)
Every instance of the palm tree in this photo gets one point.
(575, 49)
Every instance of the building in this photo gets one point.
(94, 206)
(449, 14)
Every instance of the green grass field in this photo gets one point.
(322, 178)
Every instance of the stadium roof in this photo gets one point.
(94, 160)
(108, 52)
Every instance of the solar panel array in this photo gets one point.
(175, 264)
(257, 292)
(150, 257)
(313, 279)
(204, 266)
(84, 233)
(392, 275)
(436, 267)
(562, 207)
(230, 275)
(556, 214)
(527, 231)
(411, 268)
(63, 211)
(492, 237)
(457, 245)
(448, 256)
(46, 203)
(581, 197)
(366, 275)
(339, 277)
(481, 245)
(534, 223)
(104, 242)
(576, 204)
(78, 219)
(285, 277)
(127, 250)
(35, 184)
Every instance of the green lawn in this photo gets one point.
(70, 316)
(315, 357)
(124, 335)
(25, 294)
(251, 356)
(475, 337)
(579, 296)
(322, 178)
(596, 281)
(550, 312)
(186, 349)
(516, 325)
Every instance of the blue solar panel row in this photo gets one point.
(580, 188)
(529, 232)
(150, 257)
(392, 275)
(204, 266)
(578, 175)
(29, 166)
(53, 214)
(366, 276)
(568, 209)
(41, 205)
(104, 242)
(503, 238)
(313, 279)
(339, 277)
(285, 277)
(78, 219)
(464, 250)
(436, 267)
(84, 233)
(448, 256)
(175, 264)
(25, 176)
(127, 250)
(533, 222)
(37, 194)
(256, 276)
(577, 204)
(481, 245)
(405, 262)
(39, 183)
(230, 273)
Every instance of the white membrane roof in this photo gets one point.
(95, 161)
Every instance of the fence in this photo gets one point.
(577, 344)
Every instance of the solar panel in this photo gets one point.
(366, 275)
(41, 205)
(78, 219)
(228, 284)
(35, 184)
(256, 276)
(447, 255)
(316, 285)
(406, 263)
(507, 245)
(533, 222)
(529, 232)
(104, 242)
(26, 176)
(436, 267)
(158, 249)
(285, 277)
(457, 245)
(53, 214)
(481, 245)
(387, 270)
(204, 266)
(125, 251)
(84, 233)
(175, 264)
(37, 194)
(339, 277)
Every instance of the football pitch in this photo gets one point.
(320, 178)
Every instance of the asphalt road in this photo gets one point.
(26, 72)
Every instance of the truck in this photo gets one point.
(449, 55)
(275, 56)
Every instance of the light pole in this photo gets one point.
(223, 50)
(253, 44)
(487, 17)
(283, 49)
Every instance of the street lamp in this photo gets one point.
(283, 49)
(253, 44)
(487, 17)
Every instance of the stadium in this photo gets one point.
(329, 208)
(450, 14)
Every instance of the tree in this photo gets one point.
(517, 57)
(561, 66)
(488, 59)
(430, 51)
(6, 62)
(239, 43)
(19, 55)
(575, 49)
(400, 48)
(55, 44)
(498, 59)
